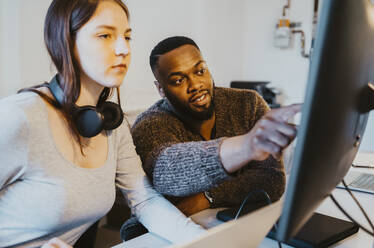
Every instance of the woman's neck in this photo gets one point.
(89, 92)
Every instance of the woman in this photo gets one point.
(58, 174)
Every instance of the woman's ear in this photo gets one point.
(159, 88)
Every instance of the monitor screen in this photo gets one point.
(335, 109)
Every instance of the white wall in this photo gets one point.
(284, 68)
(9, 47)
(215, 25)
(23, 58)
(235, 36)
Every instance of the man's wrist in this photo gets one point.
(209, 197)
(234, 153)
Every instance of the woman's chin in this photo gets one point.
(114, 82)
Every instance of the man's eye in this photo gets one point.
(201, 71)
(178, 81)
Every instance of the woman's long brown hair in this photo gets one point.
(63, 20)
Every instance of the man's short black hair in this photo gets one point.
(168, 45)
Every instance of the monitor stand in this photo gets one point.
(320, 231)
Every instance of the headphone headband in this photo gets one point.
(56, 90)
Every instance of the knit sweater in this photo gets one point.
(180, 163)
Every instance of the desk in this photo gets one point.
(207, 218)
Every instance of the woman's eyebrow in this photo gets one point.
(112, 28)
(106, 26)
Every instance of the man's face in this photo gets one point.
(186, 81)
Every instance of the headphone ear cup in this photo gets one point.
(88, 121)
(113, 115)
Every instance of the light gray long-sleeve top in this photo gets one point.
(43, 195)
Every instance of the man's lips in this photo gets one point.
(200, 97)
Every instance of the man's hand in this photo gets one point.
(270, 136)
(193, 204)
(272, 133)
(56, 243)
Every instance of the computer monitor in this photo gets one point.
(335, 111)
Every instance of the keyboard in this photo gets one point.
(359, 181)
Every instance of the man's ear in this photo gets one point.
(160, 89)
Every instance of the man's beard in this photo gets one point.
(186, 111)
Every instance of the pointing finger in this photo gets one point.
(285, 113)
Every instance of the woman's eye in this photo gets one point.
(128, 38)
(104, 36)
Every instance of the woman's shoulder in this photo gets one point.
(121, 132)
(21, 101)
(14, 116)
(18, 108)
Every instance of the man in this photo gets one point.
(205, 146)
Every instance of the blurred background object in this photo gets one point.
(269, 94)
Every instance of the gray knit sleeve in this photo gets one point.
(187, 168)
(176, 165)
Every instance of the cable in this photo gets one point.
(363, 166)
(358, 204)
(268, 200)
(348, 216)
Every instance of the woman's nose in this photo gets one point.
(122, 47)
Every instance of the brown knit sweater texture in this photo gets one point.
(180, 163)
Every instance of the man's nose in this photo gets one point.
(195, 84)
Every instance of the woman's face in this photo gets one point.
(102, 45)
